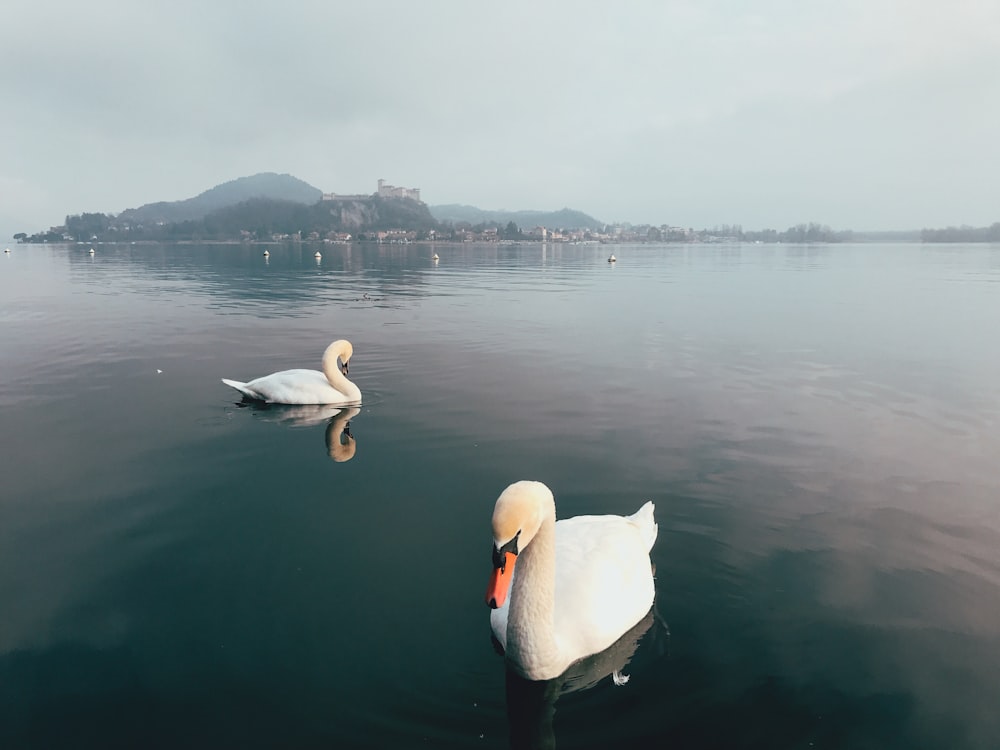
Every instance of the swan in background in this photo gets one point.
(612, 259)
(330, 386)
(581, 583)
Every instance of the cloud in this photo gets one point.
(681, 112)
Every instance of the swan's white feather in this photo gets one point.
(603, 582)
(298, 386)
(301, 386)
(242, 388)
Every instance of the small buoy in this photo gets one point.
(612, 259)
(91, 251)
(317, 256)
(158, 371)
(6, 251)
(266, 253)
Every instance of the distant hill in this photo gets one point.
(269, 185)
(264, 217)
(260, 219)
(565, 218)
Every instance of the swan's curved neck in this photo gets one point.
(333, 374)
(531, 640)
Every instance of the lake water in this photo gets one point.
(819, 427)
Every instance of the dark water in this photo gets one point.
(818, 427)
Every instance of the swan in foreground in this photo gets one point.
(330, 386)
(581, 583)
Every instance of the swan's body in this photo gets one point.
(612, 259)
(330, 386)
(581, 582)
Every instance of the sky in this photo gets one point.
(858, 114)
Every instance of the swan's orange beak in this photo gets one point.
(499, 586)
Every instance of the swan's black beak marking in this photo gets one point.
(499, 558)
(344, 368)
(499, 586)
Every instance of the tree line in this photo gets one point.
(962, 234)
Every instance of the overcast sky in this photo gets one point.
(860, 114)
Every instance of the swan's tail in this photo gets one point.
(242, 388)
(643, 519)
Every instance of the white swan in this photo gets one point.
(307, 386)
(612, 259)
(581, 583)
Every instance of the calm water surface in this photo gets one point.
(818, 427)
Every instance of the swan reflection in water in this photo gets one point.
(531, 705)
(340, 443)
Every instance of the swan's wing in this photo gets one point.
(604, 581)
(296, 387)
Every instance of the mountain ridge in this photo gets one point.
(270, 185)
(564, 218)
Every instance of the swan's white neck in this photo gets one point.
(333, 374)
(531, 641)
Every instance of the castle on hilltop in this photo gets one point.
(384, 191)
(391, 191)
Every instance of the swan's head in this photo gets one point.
(517, 516)
(340, 348)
